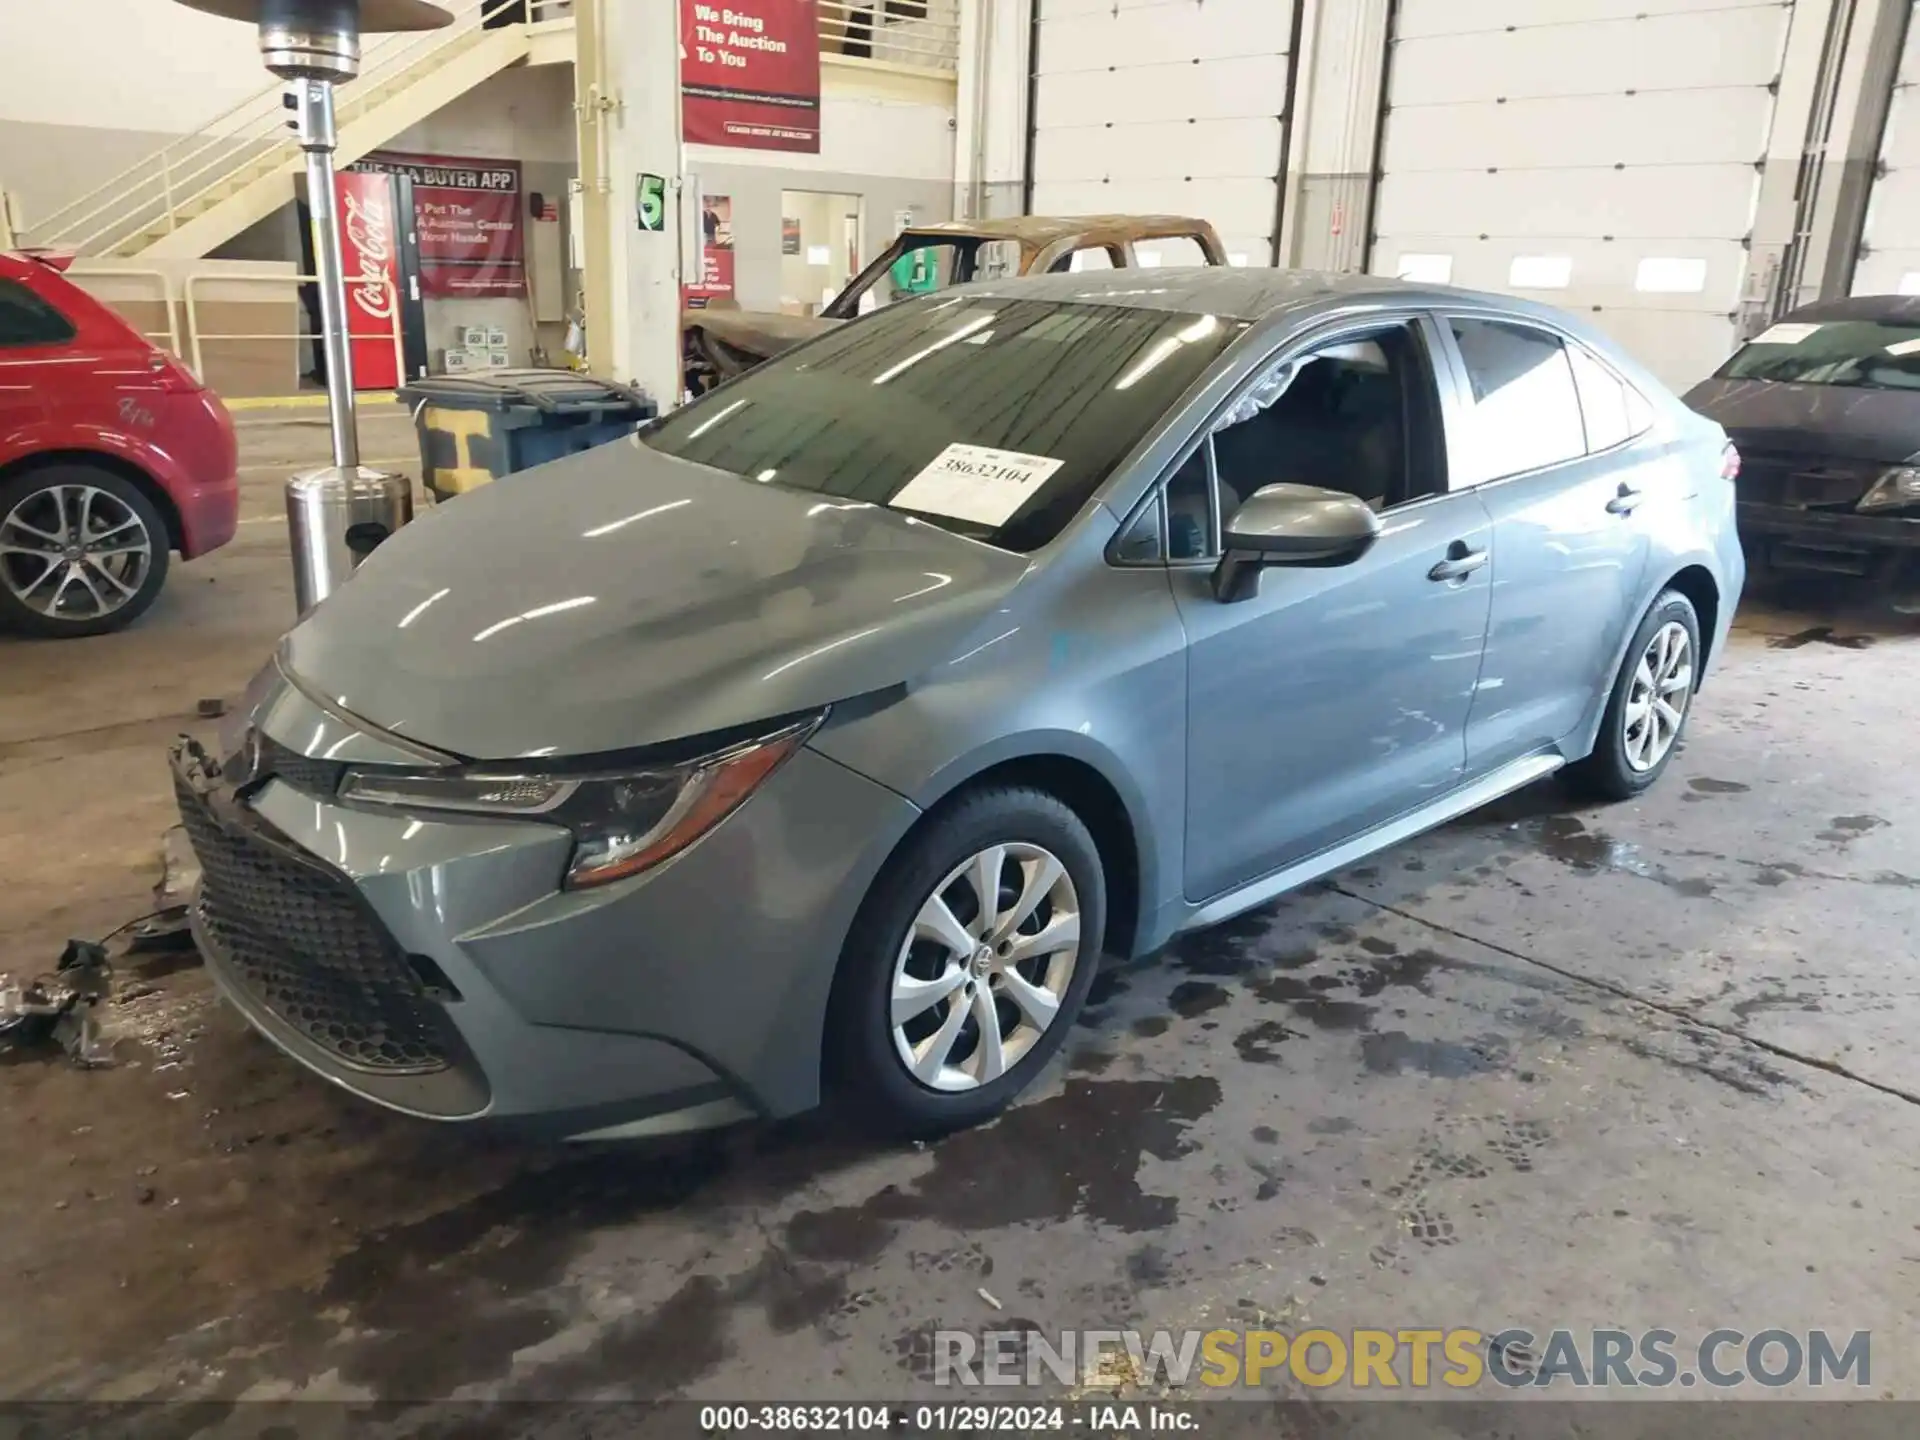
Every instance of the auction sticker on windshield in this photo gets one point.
(1787, 334)
(976, 483)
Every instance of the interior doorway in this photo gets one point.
(819, 248)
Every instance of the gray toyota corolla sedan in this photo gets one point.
(823, 735)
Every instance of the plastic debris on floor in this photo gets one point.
(60, 1008)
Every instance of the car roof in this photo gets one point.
(1036, 230)
(1236, 292)
(1888, 309)
(1283, 298)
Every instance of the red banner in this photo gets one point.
(468, 214)
(369, 255)
(716, 266)
(750, 74)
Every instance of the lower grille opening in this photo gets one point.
(298, 939)
(1822, 559)
(433, 980)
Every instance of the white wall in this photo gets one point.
(522, 114)
(1174, 106)
(148, 65)
(1598, 156)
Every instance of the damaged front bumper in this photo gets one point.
(1828, 542)
(435, 965)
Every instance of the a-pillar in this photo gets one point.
(633, 117)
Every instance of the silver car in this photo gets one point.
(823, 736)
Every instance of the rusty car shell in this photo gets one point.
(724, 341)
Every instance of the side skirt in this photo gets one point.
(1455, 803)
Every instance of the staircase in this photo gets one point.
(200, 191)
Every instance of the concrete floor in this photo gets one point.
(1635, 1067)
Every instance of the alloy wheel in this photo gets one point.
(74, 552)
(1658, 697)
(985, 966)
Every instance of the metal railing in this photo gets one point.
(914, 34)
(197, 361)
(250, 141)
(80, 274)
(188, 339)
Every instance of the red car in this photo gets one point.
(112, 456)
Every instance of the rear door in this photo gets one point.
(1570, 536)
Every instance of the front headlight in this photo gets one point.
(1894, 490)
(623, 821)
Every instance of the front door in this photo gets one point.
(1334, 699)
(1570, 551)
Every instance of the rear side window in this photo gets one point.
(1615, 412)
(1526, 409)
(1169, 250)
(26, 319)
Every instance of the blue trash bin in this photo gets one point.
(475, 429)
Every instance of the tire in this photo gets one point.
(866, 1065)
(111, 584)
(1623, 763)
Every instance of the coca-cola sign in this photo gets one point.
(369, 254)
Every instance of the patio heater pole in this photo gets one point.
(335, 516)
(317, 138)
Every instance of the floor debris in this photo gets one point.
(165, 930)
(60, 1007)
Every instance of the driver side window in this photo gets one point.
(1358, 415)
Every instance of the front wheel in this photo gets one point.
(1648, 707)
(82, 552)
(968, 963)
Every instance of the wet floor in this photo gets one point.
(1635, 1066)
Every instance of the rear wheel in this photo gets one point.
(1652, 696)
(971, 957)
(82, 552)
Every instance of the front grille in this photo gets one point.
(1804, 482)
(298, 939)
(314, 777)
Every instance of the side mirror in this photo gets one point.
(1291, 525)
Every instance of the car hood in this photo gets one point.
(1826, 420)
(622, 598)
(764, 333)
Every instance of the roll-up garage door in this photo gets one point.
(1164, 106)
(1890, 245)
(1601, 155)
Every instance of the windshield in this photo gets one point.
(992, 418)
(1861, 354)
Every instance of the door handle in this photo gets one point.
(1460, 562)
(1624, 501)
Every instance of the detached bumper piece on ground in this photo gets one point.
(59, 1008)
